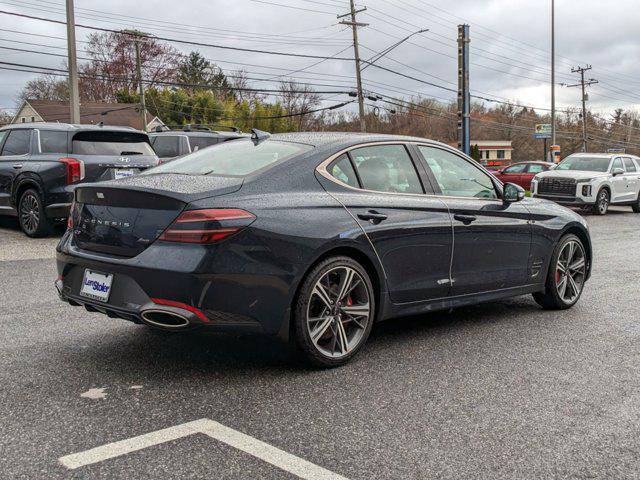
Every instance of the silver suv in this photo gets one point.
(171, 144)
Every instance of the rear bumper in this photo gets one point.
(57, 210)
(241, 297)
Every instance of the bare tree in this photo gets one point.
(113, 65)
(299, 99)
(45, 87)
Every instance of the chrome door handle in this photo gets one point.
(466, 219)
(17, 166)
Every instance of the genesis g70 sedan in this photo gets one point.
(314, 237)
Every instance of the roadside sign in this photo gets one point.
(543, 130)
(616, 150)
(555, 153)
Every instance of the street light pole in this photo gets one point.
(74, 94)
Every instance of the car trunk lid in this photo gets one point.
(123, 217)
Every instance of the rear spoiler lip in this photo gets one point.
(184, 197)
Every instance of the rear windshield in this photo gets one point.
(111, 143)
(587, 164)
(237, 158)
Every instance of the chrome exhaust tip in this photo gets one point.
(165, 319)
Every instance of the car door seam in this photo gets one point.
(365, 234)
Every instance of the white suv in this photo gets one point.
(592, 181)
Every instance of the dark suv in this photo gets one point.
(171, 144)
(39, 163)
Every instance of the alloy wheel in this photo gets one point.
(603, 202)
(338, 312)
(571, 271)
(29, 213)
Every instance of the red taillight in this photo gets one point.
(207, 226)
(184, 306)
(75, 169)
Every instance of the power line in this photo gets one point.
(186, 42)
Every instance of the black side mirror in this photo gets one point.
(512, 193)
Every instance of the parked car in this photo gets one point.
(41, 162)
(592, 181)
(522, 173)
(313, 237)
(171, 144)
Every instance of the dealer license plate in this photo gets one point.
(96, 285)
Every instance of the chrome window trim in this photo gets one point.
(322, 170)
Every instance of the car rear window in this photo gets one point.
(52, 141)
(166, 146)
(237, 158)
(111, 143)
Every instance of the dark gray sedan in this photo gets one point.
(312, 238)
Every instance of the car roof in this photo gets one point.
(198, 133)
(535, 162)
(67, 127)
(599, 155)
(322, 140)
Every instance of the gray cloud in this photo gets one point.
(510, 42)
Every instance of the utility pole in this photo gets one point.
(583, 84)
(74, 94)
(354, 25)
(143, 104)
(553, 73)
(464, 95)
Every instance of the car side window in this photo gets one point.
(198, 143)
(166, 146)
(17, 143)
(52, 141)
(3, 136)
(535, 168)
(516, 168)
(342, 170)
(456, 176)
(617, 163)
(386, 168)
(629, 165)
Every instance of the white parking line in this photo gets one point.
(268, 453)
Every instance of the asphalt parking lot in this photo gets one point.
(500, 390)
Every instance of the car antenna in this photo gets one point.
(258, 135)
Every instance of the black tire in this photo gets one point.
(636, 206)
(31, 215)
(551, 299)
(602, 202)
(312, 353)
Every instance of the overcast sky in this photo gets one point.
(510, 43)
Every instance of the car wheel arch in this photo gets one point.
(359, 255)
(22, 185)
